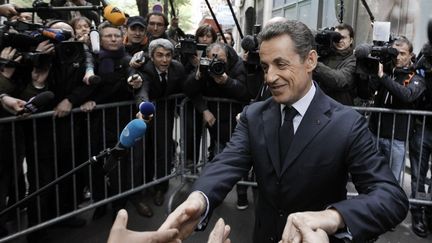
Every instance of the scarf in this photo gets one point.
(107, 60)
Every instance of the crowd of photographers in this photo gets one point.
(144, 60)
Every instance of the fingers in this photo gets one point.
(121, 220)
(220, 232)
(169, 235)
(291, 234)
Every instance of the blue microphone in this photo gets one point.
(133, 132)
(147, 110)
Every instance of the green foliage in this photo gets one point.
(23, 3)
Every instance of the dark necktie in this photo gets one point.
(286, 132)
(164, 81)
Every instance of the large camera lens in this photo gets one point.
(217, 67)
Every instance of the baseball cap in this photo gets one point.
(136, 20)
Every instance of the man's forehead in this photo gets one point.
(156, 18)
(161, 49)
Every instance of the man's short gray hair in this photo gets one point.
(164, 43)
(300, 34)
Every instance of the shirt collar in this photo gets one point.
(303, 104)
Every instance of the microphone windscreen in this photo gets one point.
(94, 80)
(114, 15)
(95, 41)
(42, 99)
(248, 43)
(147, 109)
(362, 51)
(133, 131)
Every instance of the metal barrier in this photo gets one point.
(193, 164)
(51, 147)
(41, 138)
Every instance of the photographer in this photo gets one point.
(420, 149)
(335, 71)
(396, 90)
(228, 83)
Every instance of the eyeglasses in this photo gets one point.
(110, 36)
(159, 25)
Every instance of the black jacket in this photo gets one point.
(399, 91)
(335, 76)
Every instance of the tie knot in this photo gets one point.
(290, 113)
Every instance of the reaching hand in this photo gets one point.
(8, 53)
(209, 118)
(12, 105)
(220, 233)
(308, 235)
(328, 220)
(186, 217)
(8, 10)
(63, 108)
(119, 233)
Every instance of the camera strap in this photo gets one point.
(408, 80)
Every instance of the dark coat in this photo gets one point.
(331, 142)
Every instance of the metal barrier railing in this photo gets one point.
(100, 129)
(51, 143)
(423, 197)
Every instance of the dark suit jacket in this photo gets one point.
(152, 87)
(331, 141)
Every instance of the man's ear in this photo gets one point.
(311, 60)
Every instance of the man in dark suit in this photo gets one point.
(302, 181)
(161, 77)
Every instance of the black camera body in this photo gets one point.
(250, 44)
(368, 57)
(212, 66)
(188, 46)
(325, 40)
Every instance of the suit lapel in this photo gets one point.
(271, 121)
(314, 120)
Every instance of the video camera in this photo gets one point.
(325, 40)
(25, 37)
(188, 46)
(369, 57)
(212, 66)
(250, 44)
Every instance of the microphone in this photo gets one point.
(37, 102)
(113, 14)
(248, 43)
(94, 80)
(362, 51)
(57, 35)
(147, 110)
(133, 132)
(95, 41)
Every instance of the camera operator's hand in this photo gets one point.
(45, 47)
(245, 56)
(11, 104)
(194, 60)
(209, 118)
(135, 81)
(8, 53)
(137, 60)
(63, 108)
(8, 10)
(220, 79)
(84, 38)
